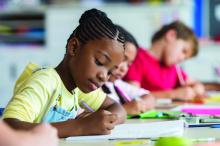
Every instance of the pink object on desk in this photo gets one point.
(202, 111)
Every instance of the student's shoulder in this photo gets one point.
(142, 53)
(45, 73)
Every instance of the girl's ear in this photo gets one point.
(72, 46)
(170, 35)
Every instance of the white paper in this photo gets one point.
(139, 130)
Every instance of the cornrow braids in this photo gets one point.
(94, 24)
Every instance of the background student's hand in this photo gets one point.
(42, 135)
(141, 105)
(149, 101)
(184, 93)
(199, 89)
(134, 107)
(100, 122)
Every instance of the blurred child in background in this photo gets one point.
(157, 69)
(134, 99)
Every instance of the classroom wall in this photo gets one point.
(141, 20)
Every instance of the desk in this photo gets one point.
(201, 132)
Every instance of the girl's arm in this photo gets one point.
(115, 108)
(184, 93)
(100, 122)
(212, 86)
(62, 127)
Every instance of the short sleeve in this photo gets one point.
(30, 100)
(131, 90)
(94, 99)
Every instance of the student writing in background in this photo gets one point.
(134, 99)
(42, 135)
(93, 51)
(156, 69)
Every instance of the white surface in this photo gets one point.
(139, 130)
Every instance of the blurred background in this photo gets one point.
(37, 30)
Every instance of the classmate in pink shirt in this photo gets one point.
(156, 69)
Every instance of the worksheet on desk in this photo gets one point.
(139, 130)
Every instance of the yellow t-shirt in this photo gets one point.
(33, 95)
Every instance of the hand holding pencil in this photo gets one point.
(98, 123)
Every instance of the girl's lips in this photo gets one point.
(93, 85)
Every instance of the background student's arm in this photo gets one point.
(212, 86)
(135, 83)
(43, 135)
(7, 135)
(115, 108)
(185, 93)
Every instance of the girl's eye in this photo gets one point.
(97, 62)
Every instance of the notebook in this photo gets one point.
(139, 130)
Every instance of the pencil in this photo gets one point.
(85, 105)
(180, 76)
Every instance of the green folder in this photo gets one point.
(154, 114)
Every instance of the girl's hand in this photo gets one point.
(100, 122)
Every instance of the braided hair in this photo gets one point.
(94, 24)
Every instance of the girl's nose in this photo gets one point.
(102, 76)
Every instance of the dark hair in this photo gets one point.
(182, 31)
(94, 24)
(128, 36)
